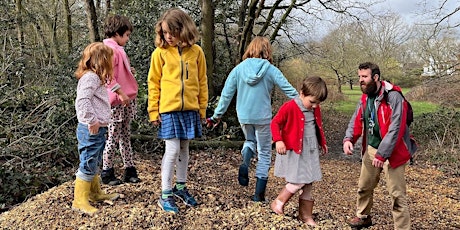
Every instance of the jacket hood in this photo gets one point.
(254, 69)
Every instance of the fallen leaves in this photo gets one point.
(224, 204)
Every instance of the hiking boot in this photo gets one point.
(168, 205)
(108, 177)
(185, 196)
(359, 223)
(131, 175)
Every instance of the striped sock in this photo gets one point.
(180, 185)
(166, 193)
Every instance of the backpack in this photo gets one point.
(409, 112)
(409, 119)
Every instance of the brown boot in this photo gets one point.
(278, 204)
(306, 211)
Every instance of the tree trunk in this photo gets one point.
(108, 5)
(92, 21)
(247, 30)
(53, 25)
(20, 26)
(68, 25)
(339, 80)
(207, 42)
(241, 23)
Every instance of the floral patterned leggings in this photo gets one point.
(119, 133)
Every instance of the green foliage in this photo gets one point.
(37, 143)
(438, 134)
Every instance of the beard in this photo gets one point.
(369, 88)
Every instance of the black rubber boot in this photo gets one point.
(108, 177)
(243, 172)
(259, 195)
(131, 175)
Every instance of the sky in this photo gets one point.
(414, 11)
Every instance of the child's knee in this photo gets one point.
(293, 188)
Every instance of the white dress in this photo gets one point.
(303, 168)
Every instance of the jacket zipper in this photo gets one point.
(181, 78)
(186, 70)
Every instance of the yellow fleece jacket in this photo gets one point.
(177, 81)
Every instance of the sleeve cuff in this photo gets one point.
(380, 157)
(115, 87)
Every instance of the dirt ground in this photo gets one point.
(224, 204)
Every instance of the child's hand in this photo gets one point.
(212, 122)
(124, 99)
(133, 71)
(280, 148)
(94, 128)
(324, 150)
(157, 122)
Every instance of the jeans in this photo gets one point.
(259, 137)
(90, 148)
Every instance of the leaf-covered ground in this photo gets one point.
(433, 198)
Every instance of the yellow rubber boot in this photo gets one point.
(97, 195)
(81, 197)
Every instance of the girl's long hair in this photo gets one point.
(181, 26)
(97, 58)
(259, 47)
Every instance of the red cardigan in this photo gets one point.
(288, 126)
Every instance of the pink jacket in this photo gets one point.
(122, 76)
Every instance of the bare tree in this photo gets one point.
(443, 16)
(207, 41)
(19, 25)
(92, 21)
(68, 25)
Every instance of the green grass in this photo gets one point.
(348, 105)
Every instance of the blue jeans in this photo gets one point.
(258, 139)
(90, 148)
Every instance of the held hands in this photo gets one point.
(212, 122)
(348, 147)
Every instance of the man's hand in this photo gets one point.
(377, 163)
(348, 147)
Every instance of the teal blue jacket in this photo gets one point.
(253, 81)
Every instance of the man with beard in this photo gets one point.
(380, 119)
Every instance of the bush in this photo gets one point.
(438, 136)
